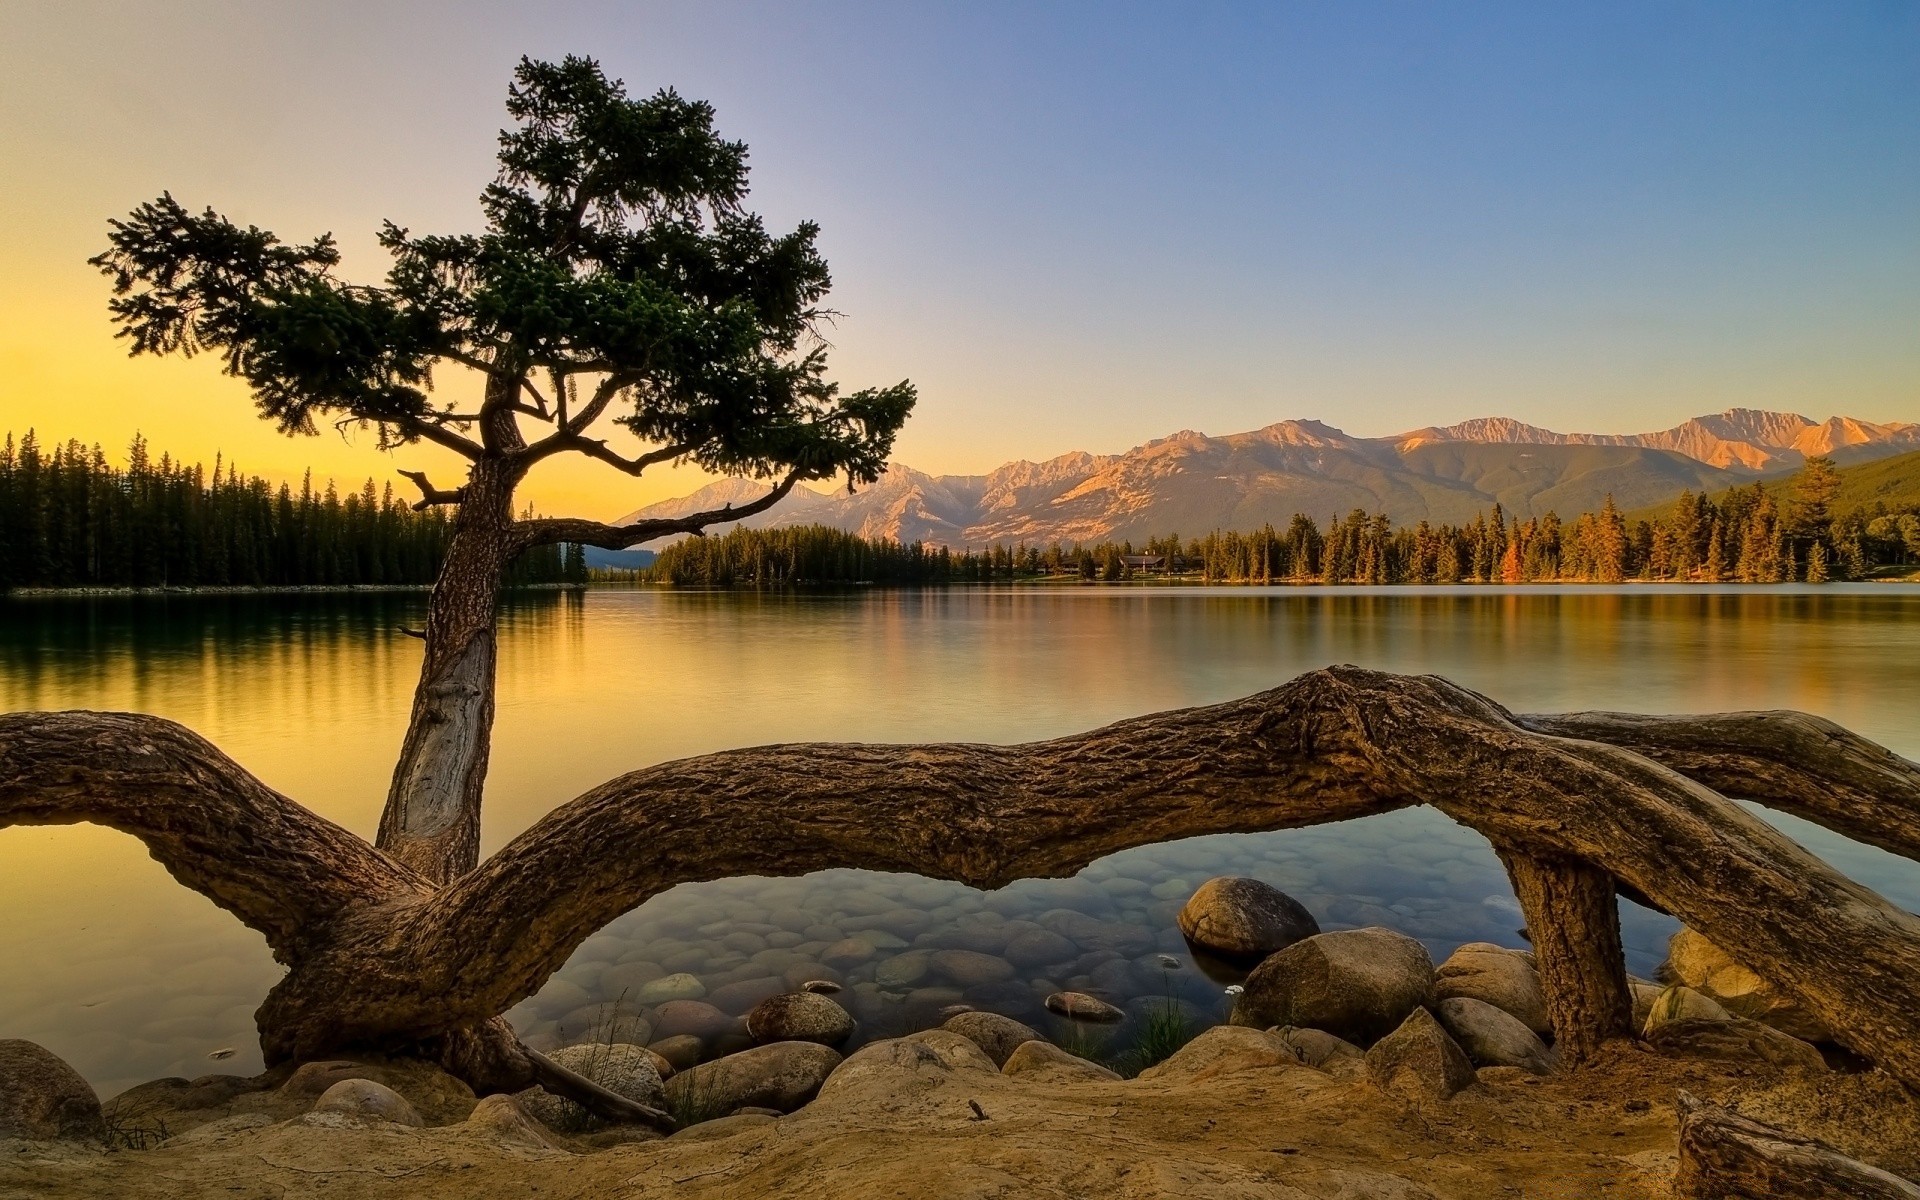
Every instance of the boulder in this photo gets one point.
(1324, 1052)
(679, 986)
(43, 1098)
(1222, 1050)
(1734, 1039)
(971, 968)
(1644, 994)
(678, 1052)
(1681, 1004)
(779, 1075)
(365, 1100)
(903, 970)
(1040, 948)
(1699, 964)
(799, 1017)
(998, 1036)
(1498, 976)
(1239, 918)
(1358, 984)
(1078, 1006)
(625, 1069)
(1419, 1060)
(1493, 1037)
(848, 953)
(696, 1017)
(1045, 1062)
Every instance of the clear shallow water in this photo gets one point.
(129, 976)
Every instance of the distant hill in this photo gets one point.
(1190, 482)
(1892, 482)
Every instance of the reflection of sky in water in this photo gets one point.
(129, 976)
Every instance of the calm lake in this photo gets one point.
(127, 975)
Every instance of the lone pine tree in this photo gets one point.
(618, 278)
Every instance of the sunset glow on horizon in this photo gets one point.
(1081, 228)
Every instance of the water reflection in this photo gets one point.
(117, 968)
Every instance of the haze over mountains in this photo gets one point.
(1189, 483)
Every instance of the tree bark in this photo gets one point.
(378, 959)
(431, 821)
(1724, 1156)
(1574, 923)
(1792, 761)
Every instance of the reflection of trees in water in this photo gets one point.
(74, 641)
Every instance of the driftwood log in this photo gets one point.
(381, 957)
(1725, 1156)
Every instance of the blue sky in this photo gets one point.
(1083, 226)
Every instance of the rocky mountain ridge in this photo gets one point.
(1190, 482)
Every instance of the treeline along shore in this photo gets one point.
(70, 520)
(1755, 534)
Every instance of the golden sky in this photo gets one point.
(1073, 226)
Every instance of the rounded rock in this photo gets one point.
(998, 1036)
(902, 970)
(799, 1017)
(779, 1075)
(1706, 968)
(627, 1070)
(365, 1100)
(696, 1017)
(1420, 1060)
(1048, 1063)
(1493, 1037)
(41, 1097)
(679, 1052)
(1506, 979)
(1357, 984)
(1078, 1006)
(1240, 918)
(679, 986)
(971, 968)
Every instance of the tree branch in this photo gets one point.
(1329, 746)
(1793, 761)
(431, 495)
(600, 1101)
(439, 436)
(278, 867)
(549, 530)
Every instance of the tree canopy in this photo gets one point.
(617, 273)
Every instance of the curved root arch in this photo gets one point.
(1571, 803)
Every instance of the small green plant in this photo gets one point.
(613, 1025)
(698, 1099)
(1165, 1030)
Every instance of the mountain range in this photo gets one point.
(1190, 483)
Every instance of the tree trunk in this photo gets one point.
(1574, 924)
(380, 959)
(432, 817)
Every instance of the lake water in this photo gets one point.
(108, 962)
